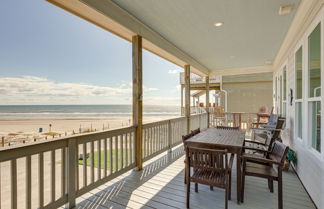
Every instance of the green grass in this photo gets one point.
(13, 134)
(102, 163)
(50, 133)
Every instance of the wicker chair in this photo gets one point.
(264, 168)
(210, 167)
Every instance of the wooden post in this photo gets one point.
(137, 99)
(207, 99)
(187, 96)
(71, 172)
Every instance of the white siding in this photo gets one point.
(310, 165)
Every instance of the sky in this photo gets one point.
(49, 56)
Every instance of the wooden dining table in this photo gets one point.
(232, 140)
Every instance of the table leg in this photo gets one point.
(239, 177)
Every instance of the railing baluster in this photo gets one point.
(122, 151)
(41, 179)
(110, 155)
(105, 157)
(92, 161)
(14, 184)
(149, 130)
(126, 150)
(28, 182)
(63, 171)
(77, 167)
(85, 176)
(99, 158)
(52, 175)
(116, 152)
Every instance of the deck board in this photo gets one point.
(160, 185)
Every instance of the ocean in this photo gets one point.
(82, 111)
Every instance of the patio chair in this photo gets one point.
(265, 168)
(196, 131)
(228, 128)
(210, 167)
(184, 138)
(260, 134)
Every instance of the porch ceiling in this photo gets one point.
(252, 33)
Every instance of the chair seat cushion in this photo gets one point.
(209, 177)
(260, 170)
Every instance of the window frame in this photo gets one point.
(300, 100)
(309, 100)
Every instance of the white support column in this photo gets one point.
(137, 99)
(182, 100)
(187, 96)
(207, 99)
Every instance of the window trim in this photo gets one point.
(313, 25)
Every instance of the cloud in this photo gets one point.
(173, 71)
(36, 86)
(31, 89)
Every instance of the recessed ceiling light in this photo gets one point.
(218, 24)
(285, 9)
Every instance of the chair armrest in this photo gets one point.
(266, 129)
(259, 123)
(256, 149)
(260, 159)
(254, 142)
(231, 162)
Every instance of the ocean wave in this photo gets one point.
(83, 114)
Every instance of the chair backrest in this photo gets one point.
(185, 137)
(228, 128)
(280, 122)
(196, 131)
(273, 118)
(279, 152)
(208, 159)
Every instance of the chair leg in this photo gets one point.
(280, 203)
(230, 186)
(243, 185)
(270, 182)
(196, 187)
(185, 174)
(188, 193)
(226, 196)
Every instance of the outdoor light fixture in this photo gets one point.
(218, 24)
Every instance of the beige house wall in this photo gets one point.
(248, 97)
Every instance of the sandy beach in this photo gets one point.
(19, 130)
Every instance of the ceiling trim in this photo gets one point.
(306, 12)
(109, 16)
(243, 70)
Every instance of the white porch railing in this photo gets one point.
(238, 119)
(52, 173)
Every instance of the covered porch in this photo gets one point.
(160, 185)
(142, 166)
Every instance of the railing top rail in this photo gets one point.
(21, 150)
(163, 121)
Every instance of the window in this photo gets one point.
(284, 93)
(299, 92)
(314, 86)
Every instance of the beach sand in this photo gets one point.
(17, 130)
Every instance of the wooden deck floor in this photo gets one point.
(160, 185)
